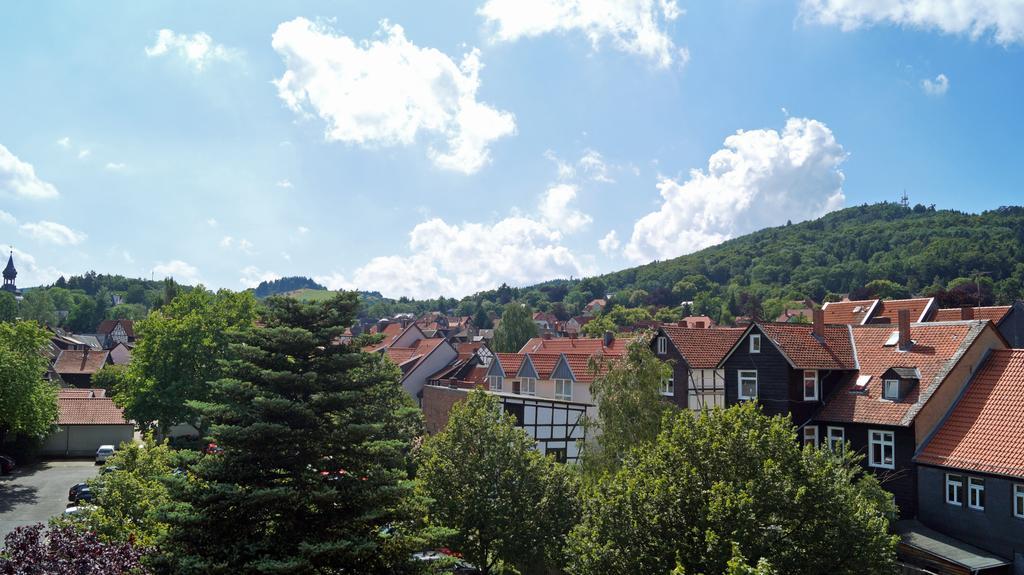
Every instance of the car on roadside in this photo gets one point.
(85, 494)
(108, 469)
(104, 453)
(7, 464)
(73, 492)
(75, 509)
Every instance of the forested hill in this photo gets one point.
(285, 285)
(882, 249)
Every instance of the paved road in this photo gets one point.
(33, 494)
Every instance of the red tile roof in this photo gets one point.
(887, 311)
(510, 362)
(78, 392)
(807, 351)
(391, 333)
(937, 348)
(84, 361)
(703, 348)
(577, 345)
(415, 353)
(697, 321)
(89, 411)
(984, 430)
(544, 363)
(995, 313)
(579, 363)
(468, 349)
(848, 312)
(107, 326)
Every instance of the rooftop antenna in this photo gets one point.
(905, 199)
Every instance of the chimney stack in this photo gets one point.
(904, 324)
(609, 337)
(547, 335)
(966, 312)
(818, 325)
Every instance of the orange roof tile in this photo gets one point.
(510, 362)
(995, 313)
(887, 311)
(80, 361)
(937, 348)
(89, 411)
(544, 363)
(984, 429)
(807, 351)
(576, 345)
(78, 392)
(848, 312)
(579, 363)
(703, 348)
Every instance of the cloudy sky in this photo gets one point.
(442, 148)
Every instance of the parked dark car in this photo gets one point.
(108, 469)
(7, 464)
(75, 489)
(85, 494)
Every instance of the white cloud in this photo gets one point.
(556, 211)
(198, 50)
(591, 165)
(284, 184)
(240, 244)
(6, 218)
(64, 142)
(52, 232)
(182, 272)
(634, 26)
(84, 153)
(759, 178)
(303, 230)
(253, 276)
(610, 243)
(19, 178)
(115, 167)
(1004, 19)
(388, 92)
(459, 259)
(936, 87)
(212, 222)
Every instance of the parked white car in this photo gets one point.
(104, 452)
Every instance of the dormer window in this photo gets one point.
(891, 389)
(755, 343)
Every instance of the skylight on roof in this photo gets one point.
(857, 309)
(894, 338)
(862, 384)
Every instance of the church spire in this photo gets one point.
(10, 274)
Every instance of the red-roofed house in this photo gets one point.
(86, 420)
(77, 366)
(695, 353)
(970, 475)
(418, 356)
(116, 331)
(609, 345)
(863, 312)
(902, 387)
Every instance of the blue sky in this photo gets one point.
(432, 149)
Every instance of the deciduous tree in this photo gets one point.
(28, 402)
(34, 550)
(734, 480)
(515, 329)
(507, 503)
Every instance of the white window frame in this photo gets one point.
(528, 386)
(755, 348)
(814, 396)
(810, 435)
(954, 496)
(885, 439)
(833, 438)
(976, 493)
(1018, 500)
(494, 382)
(885, 389)
(662, 345)
(668, 386)
(560, 394)
(744, 375)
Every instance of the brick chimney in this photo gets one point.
(966, 312)
(904, 327)
(818, 323)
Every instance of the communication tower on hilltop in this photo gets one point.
(905, 200)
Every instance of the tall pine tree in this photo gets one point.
(313, 476)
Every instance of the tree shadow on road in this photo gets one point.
(12, 496)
